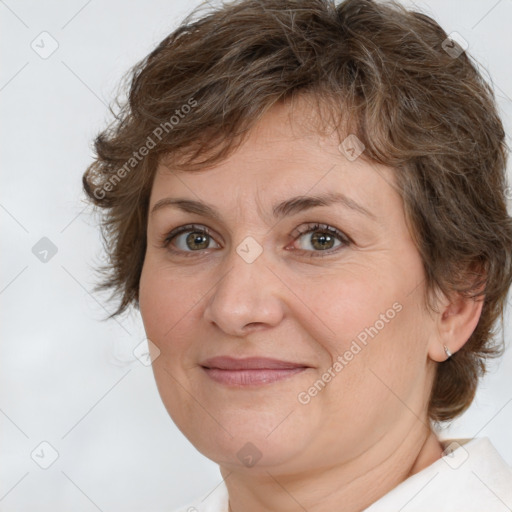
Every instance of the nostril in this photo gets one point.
(255, 325)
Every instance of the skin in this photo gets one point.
(367, 430)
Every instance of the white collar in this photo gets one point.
(471, 476)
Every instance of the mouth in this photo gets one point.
(252, 371)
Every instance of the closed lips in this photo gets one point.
(251, 363)
(250, 372)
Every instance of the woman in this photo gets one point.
(307, 204)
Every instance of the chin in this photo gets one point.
(245, 440)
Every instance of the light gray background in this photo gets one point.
(66, 377)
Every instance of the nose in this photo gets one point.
(247, 298)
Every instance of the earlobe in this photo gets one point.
(455, 323)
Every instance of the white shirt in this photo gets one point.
(471, 477)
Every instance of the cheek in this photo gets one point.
(373, 322)
(350, 304)
(382, 367)
(166, 305)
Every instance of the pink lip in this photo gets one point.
(249, 363)
(249, 371)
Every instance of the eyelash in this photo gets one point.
(309, 228)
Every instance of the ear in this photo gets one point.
(456, 320)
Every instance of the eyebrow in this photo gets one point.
(285, 208)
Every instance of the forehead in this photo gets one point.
(285, 154)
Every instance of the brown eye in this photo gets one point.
(197, 240)
(189, 239)
(322, 241)
(321, 237)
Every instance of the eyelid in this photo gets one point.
(186, 227)
(318, 226)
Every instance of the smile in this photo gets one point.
(251, 377)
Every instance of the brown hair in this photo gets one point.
(415, 104)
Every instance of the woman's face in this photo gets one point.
(343, 311)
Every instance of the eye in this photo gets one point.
(197, 239)
(321, 238)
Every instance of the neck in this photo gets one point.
(355, 484)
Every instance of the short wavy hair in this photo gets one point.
(410, 93)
